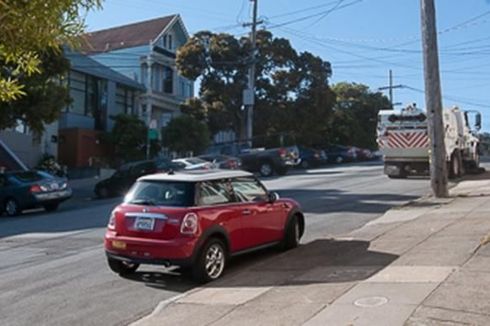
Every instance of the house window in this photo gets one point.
(169, 42)
(78, 88)
(124, 100)
(96, 102)
(144, 74)
(168, 80)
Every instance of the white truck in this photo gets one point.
(403, 139)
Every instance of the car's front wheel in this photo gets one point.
(11, 207)
(292, 234)
(121, 267)
(211, 261)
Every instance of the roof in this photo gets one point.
(84, 64)
(126, 36)
(197, 175)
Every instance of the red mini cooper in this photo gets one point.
(198, 220)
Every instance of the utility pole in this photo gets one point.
(433, 100)
(249, 93)
(390, 88)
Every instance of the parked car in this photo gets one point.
(340, 154)
(311, 157)
(23, 190)
(194, 163)
(264, 161)
(120, 182)
(269, 161)
(223, 161)
(363, 154)
(198, 220)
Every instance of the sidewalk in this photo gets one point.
(421, 264)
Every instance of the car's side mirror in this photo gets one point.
(273, 196)
(478, 121)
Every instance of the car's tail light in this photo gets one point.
(190, 224)
(282, 152)
(35, 188)
(112, 221)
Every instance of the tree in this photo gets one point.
(186, 134)
(355, 115)
(292, 92)
(45, 95)
(27, 28)
(129, 137)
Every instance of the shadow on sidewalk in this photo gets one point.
(333, 200)
(320, 261)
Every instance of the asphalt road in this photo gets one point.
(53, 269)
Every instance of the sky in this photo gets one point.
(362, 39)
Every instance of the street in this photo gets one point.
(53, 269)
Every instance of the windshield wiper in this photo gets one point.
(147, 202)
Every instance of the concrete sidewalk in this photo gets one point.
(422, 264)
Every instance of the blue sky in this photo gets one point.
(362, 39)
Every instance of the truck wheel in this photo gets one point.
(266, 169)
(454, 166)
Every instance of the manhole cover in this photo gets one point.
(369, 302)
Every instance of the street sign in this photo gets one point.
(152, 134)
(248, 97)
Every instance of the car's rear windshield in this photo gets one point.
(195, 161)
(28, 176)
(161, 193)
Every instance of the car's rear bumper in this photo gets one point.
(53, 196)
(150, 251)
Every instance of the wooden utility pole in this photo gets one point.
(390, 87)
(433, 100)
(249, 94)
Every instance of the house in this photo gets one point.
(146, 52)
(97, 93)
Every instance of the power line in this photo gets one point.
(293, 21)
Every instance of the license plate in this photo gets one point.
(119, 244)
(144, 223)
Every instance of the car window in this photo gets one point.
(3, 181)
(28, 176)
(143, 168)
(195, 161)
(248, 190)
(215, 192)
(173, 194)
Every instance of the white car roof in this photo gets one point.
(196, 175)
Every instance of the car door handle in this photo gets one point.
(246, 212)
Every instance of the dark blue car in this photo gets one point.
(340, 154)
(31, 189)
(311, 157)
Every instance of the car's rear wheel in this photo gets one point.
(293, 234)
(266, 169)
(211, 261)
(11, 207)
(121, 267)
(51, 207)
(339, 159)
(305, 164)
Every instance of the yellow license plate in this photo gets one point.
(119, 244)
